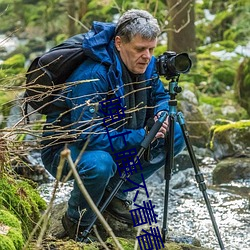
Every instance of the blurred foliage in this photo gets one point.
(242, 84)
(224, 20)
(221, 27)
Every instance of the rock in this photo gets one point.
(230, 143)
(120, 229)
(190, 96)
(231, 169)
(232, 139)
(227, 110)
(197, 125)
(181, 179)
(55, 226)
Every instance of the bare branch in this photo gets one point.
(66, 154)
(77, 21)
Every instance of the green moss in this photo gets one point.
(13, 239)
(21, 199)
(225, 75)
(235, 125)
(9, 219)
(220, 24)
(212, 100)
(228, 45)
(126, 243)
(219, 102)
(174, 246)
(6, 96)
(13, 71)
(222, 121)
(16, 237)
(242, 84)
(16, 61)
(61, 38)
(6, 243)
(92, 246)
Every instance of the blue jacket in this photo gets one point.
(103, 69)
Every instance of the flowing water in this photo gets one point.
(187, 212)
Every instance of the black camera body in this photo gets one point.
(171, 65)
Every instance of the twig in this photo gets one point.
(99, 238)
(137, 234)
(77, 21)
(66, 155)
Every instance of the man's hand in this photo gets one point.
(164, 128)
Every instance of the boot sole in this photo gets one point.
(119, 218)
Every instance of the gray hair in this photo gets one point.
(137, 22)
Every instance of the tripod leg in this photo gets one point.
(199, 176)
(104, 206)
(168, 172)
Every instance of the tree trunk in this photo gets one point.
(71, 6)
(181, 27)
(83, 7)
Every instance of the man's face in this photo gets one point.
(137, 53)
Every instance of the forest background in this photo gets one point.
(214, 33)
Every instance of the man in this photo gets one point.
(120, 66)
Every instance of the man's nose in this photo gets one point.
(146, 54)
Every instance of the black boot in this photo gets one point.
(119, 209)
(75, 231)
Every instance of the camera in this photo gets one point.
(171, 65)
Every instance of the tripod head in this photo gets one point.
(174, 89)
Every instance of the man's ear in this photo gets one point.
(118, 43)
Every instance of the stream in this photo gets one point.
(187, 212)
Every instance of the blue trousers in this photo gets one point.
(98, 172)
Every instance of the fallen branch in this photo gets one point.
(65, 154)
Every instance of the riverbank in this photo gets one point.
(188, 216)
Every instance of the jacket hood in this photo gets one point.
(98, 43)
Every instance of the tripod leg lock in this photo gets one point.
(200, 180)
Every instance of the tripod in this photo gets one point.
(173, 114)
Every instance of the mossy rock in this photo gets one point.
(232, 139)
(21, 199)
(11, 237)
